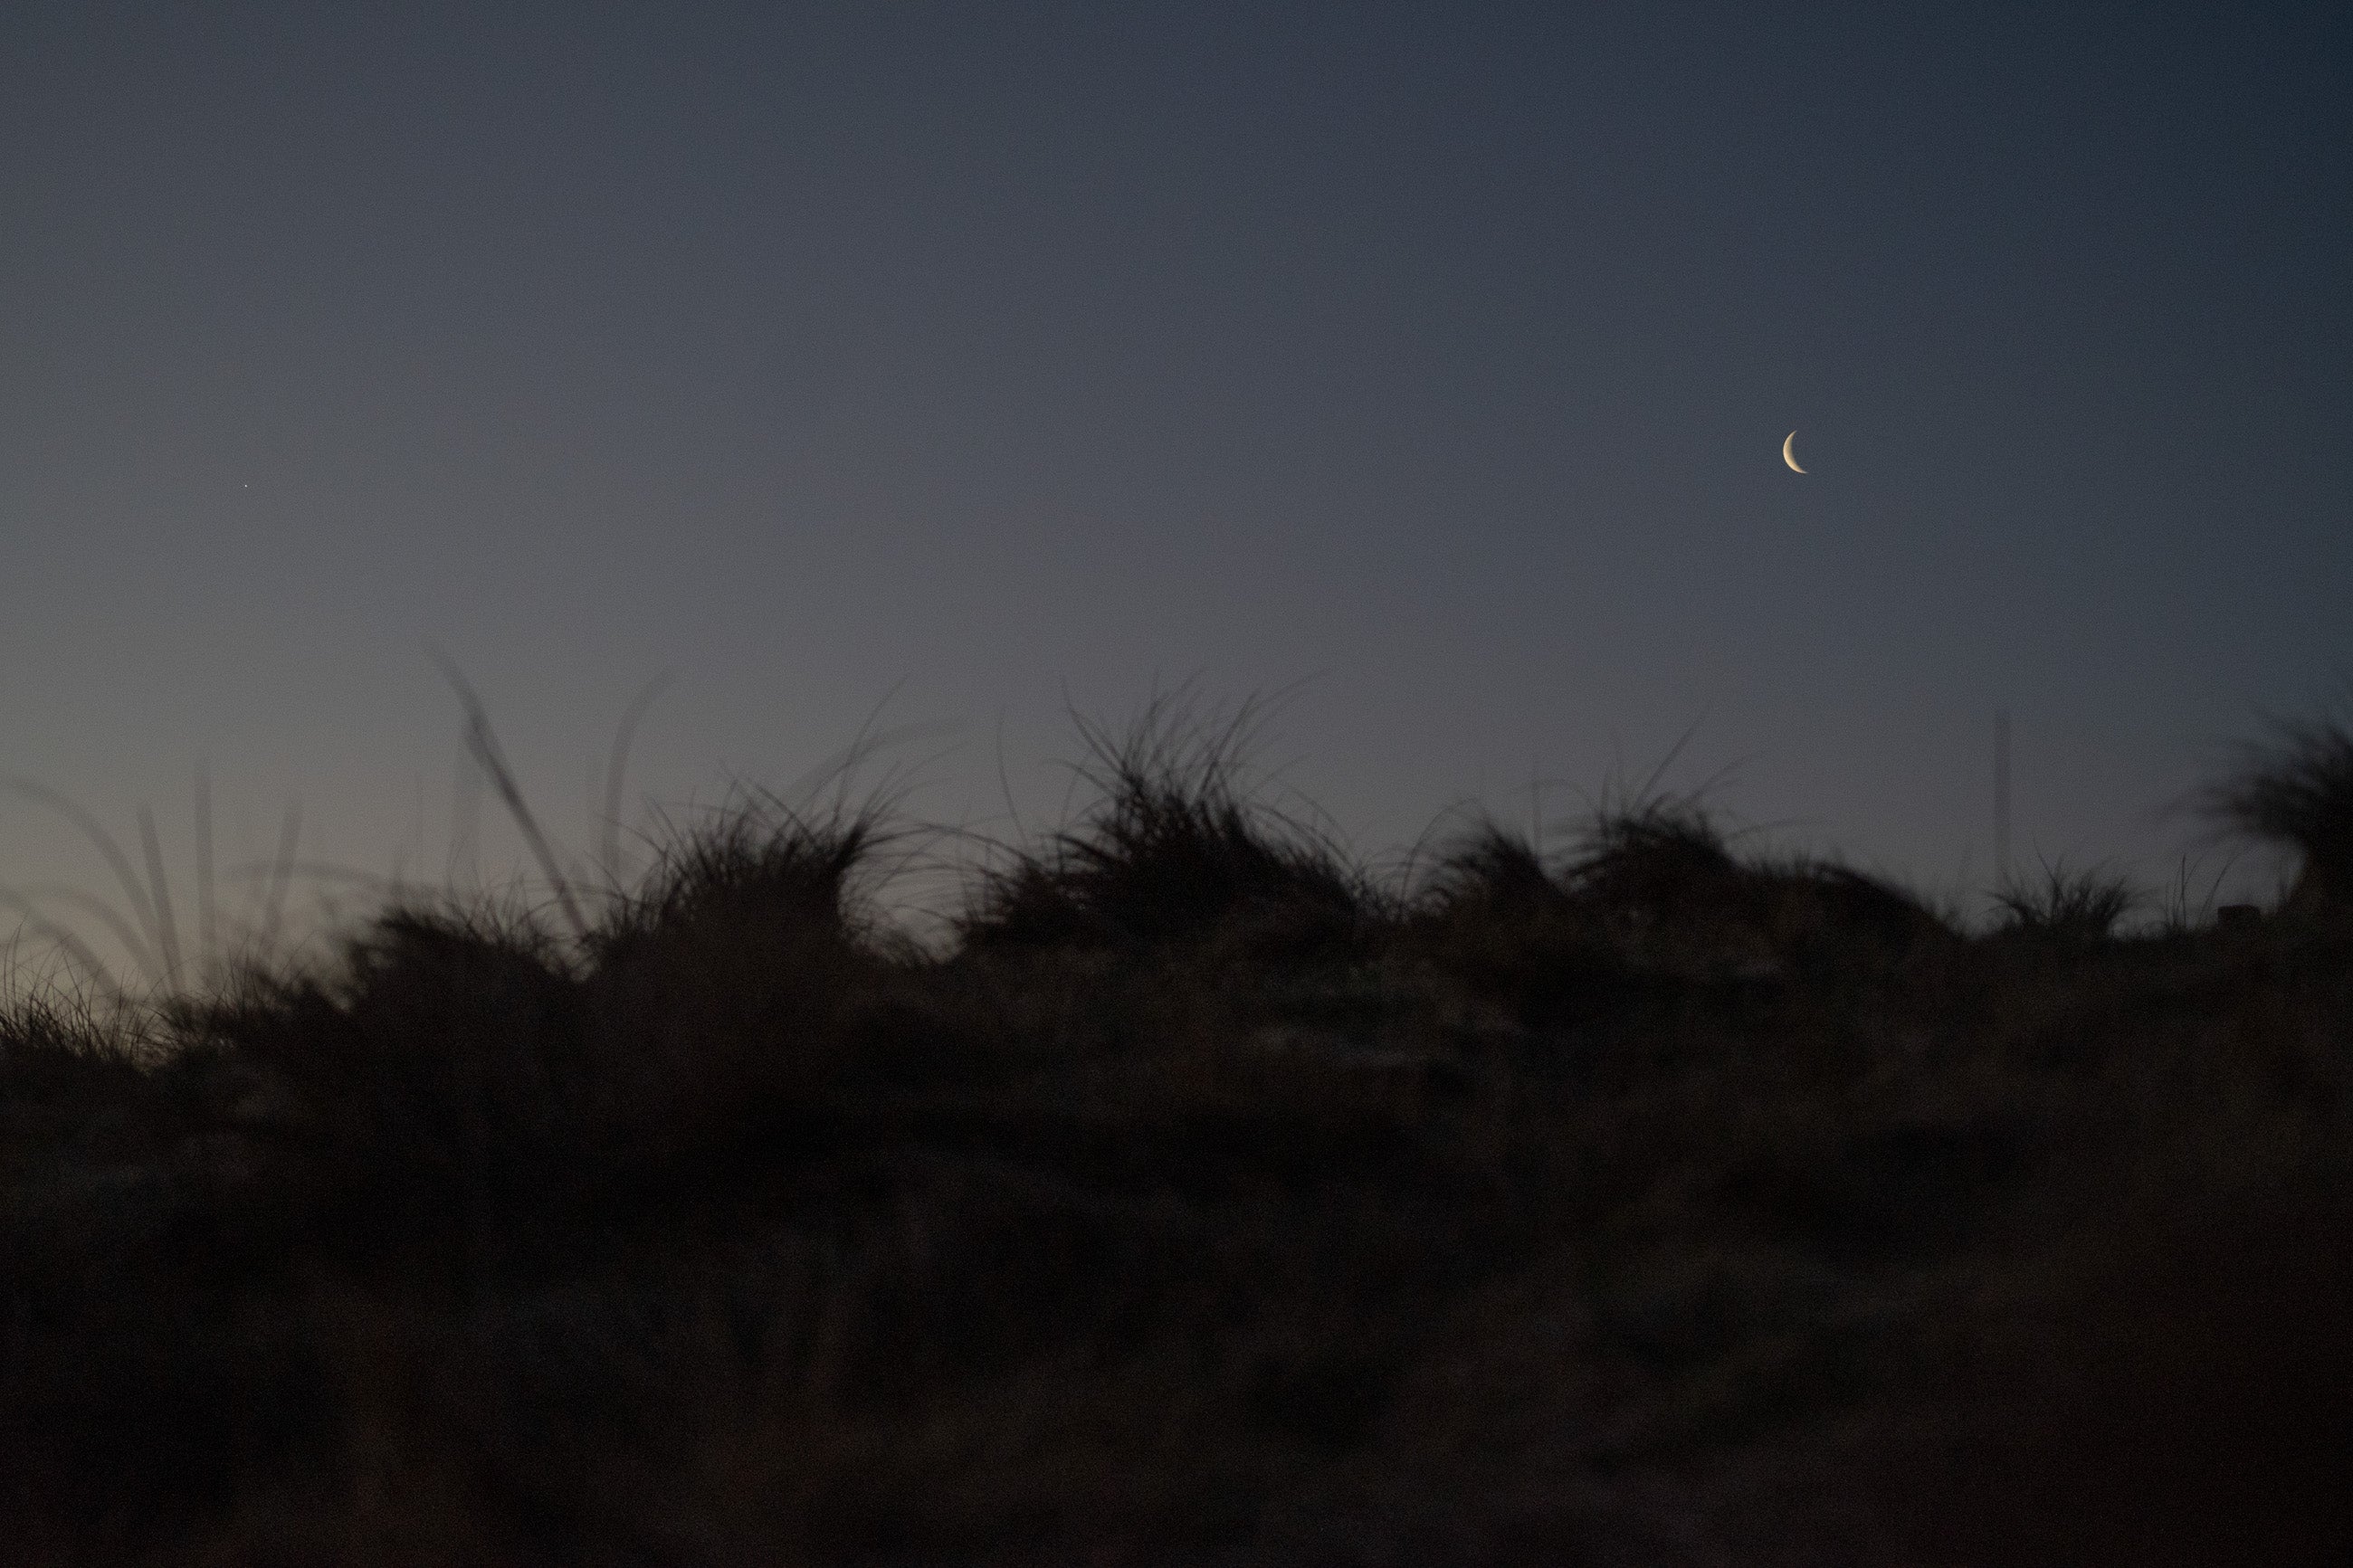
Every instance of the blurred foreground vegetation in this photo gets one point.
(1209, 1201)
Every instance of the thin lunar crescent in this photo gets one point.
(1787, 455)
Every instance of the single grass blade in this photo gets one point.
(616, 768)
(465, 820)
(208, 912)
(167, 932)
(483, 745)
(283, 869)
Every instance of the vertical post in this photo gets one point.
(2001, 797)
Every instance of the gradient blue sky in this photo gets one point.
(1433, 360)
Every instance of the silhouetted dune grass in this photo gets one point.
(1173, 852)
(2083, 906)
(2297, 792)
(1209, 1199)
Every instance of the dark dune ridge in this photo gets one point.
(1208, 1199)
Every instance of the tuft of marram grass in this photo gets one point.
(1174, 850)
(2297, 791)
(2075, 905)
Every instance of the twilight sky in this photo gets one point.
(1430, 361)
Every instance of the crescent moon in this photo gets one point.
(1787, 455)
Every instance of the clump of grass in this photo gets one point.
(2075, 906)
(477, 1042)
(1494, 916)
(1654, 861)
(762, 868)
(2297, 791)
(1667, 880)
(441, 1044)
(1492, 868)
(1173, 852)
(724, 991)
(1650, 899)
